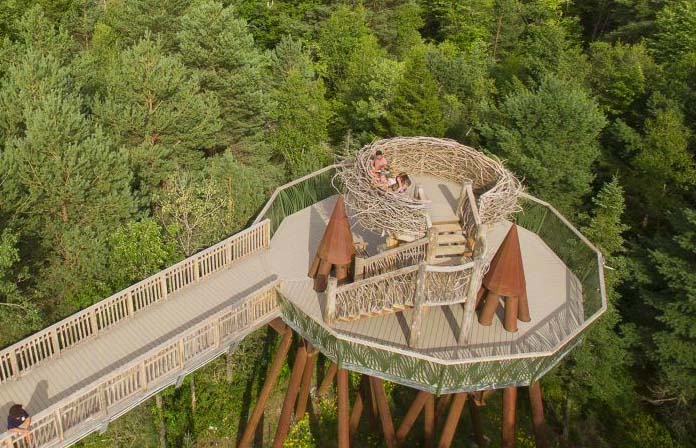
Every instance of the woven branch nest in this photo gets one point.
(495, 188)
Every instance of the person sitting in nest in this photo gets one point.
(379, 170)
(400, 183)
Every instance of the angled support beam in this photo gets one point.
(384, 413)
(306, 385)
(538, 422)
(278, 325)
(327, 381)
(271, 377)
(429, 422)
(476, 424)
(358, 405)
(290, 396)
(343, 409)
(441, 407)
(411, 416)
(452, 420)
(509, 418)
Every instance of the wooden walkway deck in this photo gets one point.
(554, 298)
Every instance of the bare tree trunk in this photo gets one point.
(193, 395)
(162, 427)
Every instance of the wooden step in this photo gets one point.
(455, 249)
(451, 238)
(447, 228)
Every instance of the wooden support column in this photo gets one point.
(271, 377)
(343, 409)
(488, 309)
(476, 424)
(429, 422)
(509, 419)
(278, 325)
(411, 416)
(419, 299)
(306, 385)
(452, 420)
(327, 381)
(442, 403)
(290, 396)
(384, 412)
(358, 406)
(540, 429)
(510, 317)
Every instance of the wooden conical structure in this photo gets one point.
(505, 278)
(335, 249)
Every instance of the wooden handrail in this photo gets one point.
(140, 378)
(93, 320)
(369, 267)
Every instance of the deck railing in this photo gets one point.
(78, 414)
(90, 322)
(392, 259)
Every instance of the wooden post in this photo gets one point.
(384, 413)
(418, 301)
(470, 305)
(540, 430)
(343, 409)
(59, 425)
(452, 420)
(476, 424)
(509, 419)
(432, 246)
(442, 403)
(358, 405)
(163, 286)
(523, 309)
(196, 272)
(278, 325)
(290, 396)
(411, 416)
(358, 269)
(271, 376)
(330, 308)
(429, 421)
(327, 381)
(54, 338)
(129, 303)
(303, 396)
(510, 319)
(489, 307)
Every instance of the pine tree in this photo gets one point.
(416, 107)
(549, 136)
(674, 35)
(153, 107)
(218, 45)
(300, 114)
(133, 20)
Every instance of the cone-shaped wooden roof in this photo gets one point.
(506, 273)
(336, 245)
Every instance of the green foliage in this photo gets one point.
(549, 136)
(416, 107)
(397, 27)
(674, 36)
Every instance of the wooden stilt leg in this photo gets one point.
(328, 380)
(540, 430)
(384, 412)
(523, 311)
(452, 420)
(411, 416)
(509, 418)
(511, 308)
(373, 400)
(488, 310)
(271, 377)
(358, 405)
(429, 422)
(290, 396)
(476, 424)
(441, 407)
(303, 397)
(343, 409)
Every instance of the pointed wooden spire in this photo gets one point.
(505, 276)
(335, 249)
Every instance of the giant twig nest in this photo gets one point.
(496, 189)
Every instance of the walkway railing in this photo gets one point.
(399, 257)
(108, 397)
(87, 324)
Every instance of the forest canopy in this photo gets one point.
(124, 124)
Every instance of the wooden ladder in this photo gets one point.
(452, 245)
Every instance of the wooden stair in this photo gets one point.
(451, 243)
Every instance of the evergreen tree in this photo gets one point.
(416, 107)
(136, 19)
(154, 109)
(674, 35)
(220, 48)
(549, 136)
(397, 27)
(300, 112)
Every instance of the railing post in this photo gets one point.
(267, 234)
(14, 364)
(432, 246)
(330, 294)
(59, 424)
(129, 303)
(103, 399)
(93, 323)
(163, 286)
(143, 373)
(228, 253)
(463, 197)
(358, 269)
(196, 273)
(470, 305)
(418, 301)
(54, 338)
